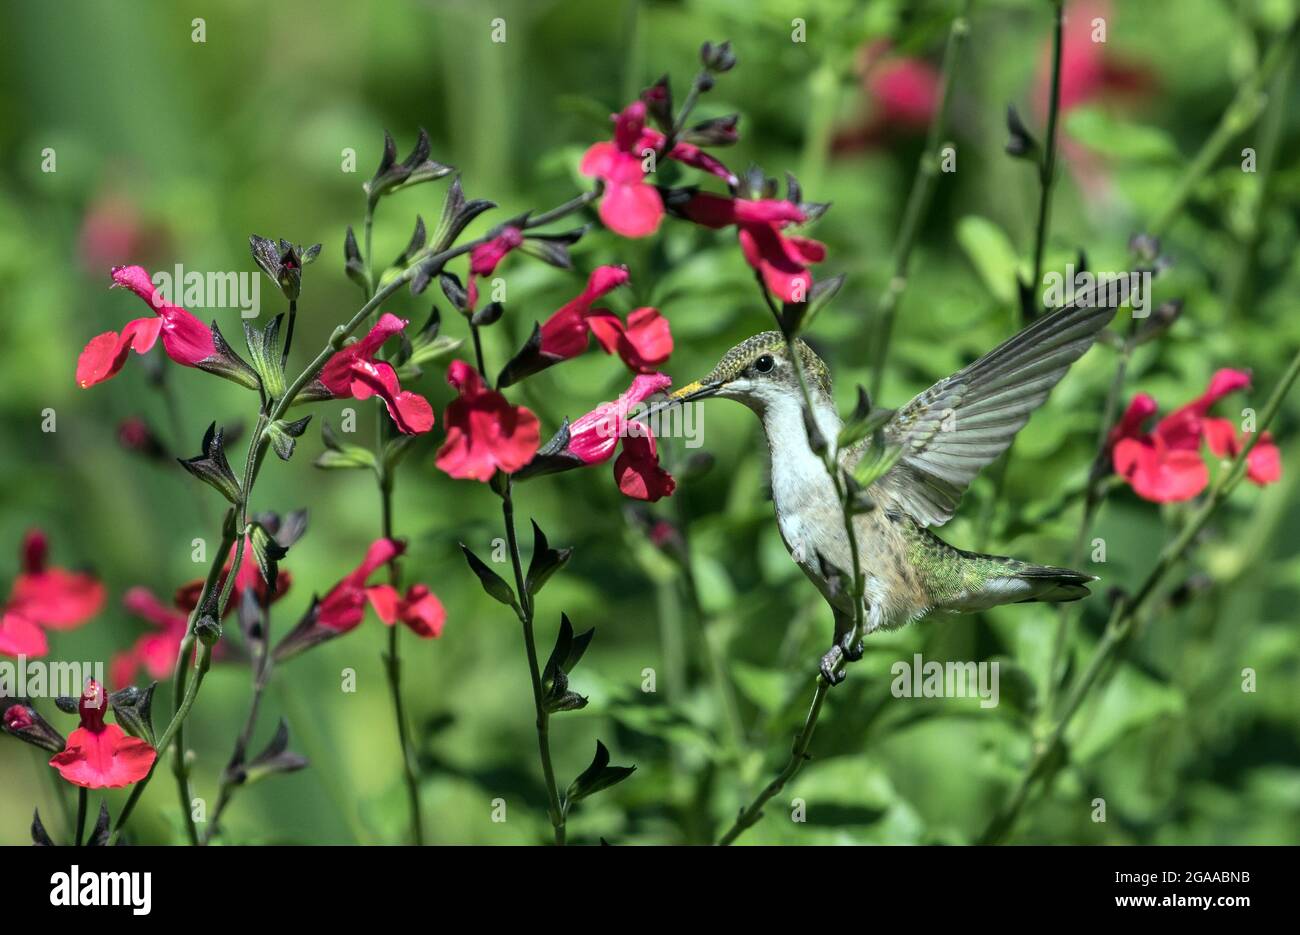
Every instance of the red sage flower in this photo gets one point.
(186, 340)
(484, 432)
(99, 755)
(1165, 464)
(594, 437)
(780, 258)
(354, 372)
(643, 343)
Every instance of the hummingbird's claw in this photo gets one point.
(829, 663)
(853, 651)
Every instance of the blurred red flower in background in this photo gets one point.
(901, 94)
(419, 609)
(45, 596)
(53, 597)
(154, 652)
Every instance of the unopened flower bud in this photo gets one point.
(208, 630)
(21, 720)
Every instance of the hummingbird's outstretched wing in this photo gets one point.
(951, 431)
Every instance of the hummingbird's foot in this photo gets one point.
(853, 650)
(829, 663)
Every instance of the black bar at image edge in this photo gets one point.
(332, 884)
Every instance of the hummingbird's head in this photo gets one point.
(758, 372)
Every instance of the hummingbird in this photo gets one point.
(945, 436)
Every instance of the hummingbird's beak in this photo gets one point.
(697, 390)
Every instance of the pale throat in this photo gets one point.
(799, 478)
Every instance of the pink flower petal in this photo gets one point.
(638, 472)
(632, 209)
(20, 637)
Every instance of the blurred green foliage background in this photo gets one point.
(189, 147)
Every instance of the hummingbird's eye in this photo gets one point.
(765, 363)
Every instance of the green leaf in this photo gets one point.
(597, 777)
(133, 709)
(275, 758)
(875, 461)
(339, 455)
(545, 562)
(211, 466)
(992, 254)
(283, 434)
(434, 350)
(268, 552)
(493, 584)
(864, 421)
(353, 264)
(568, 650)
(1130, 141)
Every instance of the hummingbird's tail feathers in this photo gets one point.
(991, 580)
(1055, 585)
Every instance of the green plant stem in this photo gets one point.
(1094, 496)
(393, 670)
(288, 334)
(230, 777)
(751, 813)
(83, 797)
(478, 350)
(1240, 114)
(180, 674)
(1046, 178)
(1243, 109)
(369, 229)
(555, 808)
(918, 201)
(392, 657)
(1270, 136)
(201, 667)
(798, 756)
(1047, 168)
(1128, 611)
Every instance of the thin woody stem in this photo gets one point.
(393, 670)
(1046, 178)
